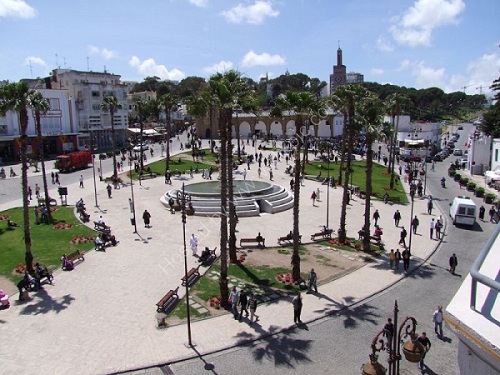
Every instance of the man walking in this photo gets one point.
(234, 302)
(297, 308)
(402, 237)
(388, 333)
(81, 181)
(438, 227)
(406, 259)
(397, 259)
(146, 216)
(253, 308)
(431, 228)
(243, 303)
(414, 224)
(397, 218)
(430, 205)
(376, 216)
(193, 243)
(437, 318)
(426, 343)
(312, 279)
(453, 263)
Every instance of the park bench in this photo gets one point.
(323, 235)
(101, 227)
(288, 238)
(52, 202)
(47, 275)
(208, 258)
(394, 199)
(167, 299)
(374, 239)
(145, 176)
(193, 274)
(260, 241)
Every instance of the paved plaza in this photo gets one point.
(100, 318)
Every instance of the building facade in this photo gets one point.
(339, 76)
(353, 77)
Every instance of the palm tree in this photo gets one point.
(371, 112)
(394, 103)
(41, 105)
(16, 97)
(169, 102)
(112, 104)
(348, 97)
(303, 105)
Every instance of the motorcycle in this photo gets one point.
(443, 182)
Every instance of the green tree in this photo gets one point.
(141, 109)
(41, 105)
(169, 103)
(16, 97)
(491, 121)
(112, 104)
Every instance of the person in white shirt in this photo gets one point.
(437, 317)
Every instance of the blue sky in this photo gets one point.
(450, 44)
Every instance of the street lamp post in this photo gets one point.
(328, 189)
(412, 349)
(188, 313)
(95, 186)
(132, 202)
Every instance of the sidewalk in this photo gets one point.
(110, 298)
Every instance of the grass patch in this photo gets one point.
(180, 311)
(380, 180)
(47, 244)
(324, 261)
(288, 250)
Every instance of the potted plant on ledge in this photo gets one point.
(488, 198)
(471, 186)
(479, 192)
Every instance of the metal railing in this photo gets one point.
(475, 270)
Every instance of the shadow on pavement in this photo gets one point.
(45, 304)
(360, 313)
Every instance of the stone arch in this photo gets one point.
(276, 129)
(324, 129)
(245, 130)
(260, 128)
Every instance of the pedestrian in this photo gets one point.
(312, 278)
(438, 227)
(482, 210)
(53, 176)
(270, 174)
(81, 181)
(426, 343)
(252, 303)
(392, 258)
(109, 189)
(313, 197)
(397, 256)
(402, 237)
(37, 191)
(400, 170)
(376, 216)
(397, 218)
(317, 195)
(437, 318)
(146, 216)
(430, 205)
(414, 224)
(57, 178)
(492, 212)
(259, 171)
(30, 193)
(243, 301)
(388, 333)
(297, 308)
(406, 259)
(193, 242)
(244, 174)
(431, 228)
(453, 263)
(234, 297)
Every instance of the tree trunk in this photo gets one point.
(41, 153)
(343, 214)
(167, 149)
(342, 150)
(28, 256)
(394, 154)
(224, 291)
(232, 207)
(368, 188)
(296, 206)
(113, 141)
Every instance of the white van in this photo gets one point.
(463, 211)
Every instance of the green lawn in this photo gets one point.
(380, 180)
(48, 243)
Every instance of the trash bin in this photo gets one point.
(132, 220)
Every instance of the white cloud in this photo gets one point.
(376, 71)
(34, 60)
(149, 68)
(16, 8)
(252, 14)
(426, 76)
(384, 45)
(220, 67)
(405, 64)
(479, 75)
(199, 3)
(264, 59)
(104, 52)
(415, 27)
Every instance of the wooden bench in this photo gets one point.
(193, 274)
(259, 241)
(101, 227)
(167, 299)
(145, 176)
(375, 239)
(209, 258)
(323, 235)
(47, 275)
(288, 238)
(394, 199)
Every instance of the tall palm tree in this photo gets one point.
(15, 97)
(348, 98)
(112, 104)
(142, 112)
(395, 102)
(371, 112)
(169, 102)
(41, 105)
(303, 105)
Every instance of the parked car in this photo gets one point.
(438, 157)
(460, 127)
(141, 147)
(457, 152)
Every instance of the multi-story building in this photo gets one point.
(88, 89)
(353, 77)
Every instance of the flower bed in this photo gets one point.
(21, 268)
(63, 226)
(335, 241)
(286, 278)
(4, 217)
(82, 239)
(214, 302)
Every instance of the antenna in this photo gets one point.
(64, 60)
(31, 69)
(57, 61)
(88, 66)
(480, 88)
(105, 69)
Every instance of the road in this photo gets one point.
(340, 344)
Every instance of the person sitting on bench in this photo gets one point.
(109, 238)
(99, 243)
(205, 255)
(10, 223)
(42, 272)
(260, 238)
(66, 263)
(378, 232)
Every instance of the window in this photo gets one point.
(461, 210)
(96, 94)
(54, 104)
(496, 154)
(470, 211)
(96, 107)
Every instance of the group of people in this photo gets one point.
(33, 280)
(240, 298)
